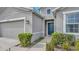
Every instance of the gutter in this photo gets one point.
(56, 9)
(11, 20)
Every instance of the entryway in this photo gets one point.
(49, 27)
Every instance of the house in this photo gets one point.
(48, 23)
(15, 20)
(61, 19)
(39, 21)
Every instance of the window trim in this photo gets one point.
(64, 21)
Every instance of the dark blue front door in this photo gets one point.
(50, 28)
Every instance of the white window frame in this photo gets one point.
(64, 21)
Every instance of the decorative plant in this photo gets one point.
(69, 38)
(25, 39)
(59, 37)
(50, 46)
(77, 45)
(66, 46)
(73, 43)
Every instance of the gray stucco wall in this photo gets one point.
(37, 27)
(59, 19)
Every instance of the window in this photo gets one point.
(48, 11)
(72, 22)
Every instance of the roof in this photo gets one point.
(58, 8)
(30, 9)
(39, 15)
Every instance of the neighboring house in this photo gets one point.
(15, 20)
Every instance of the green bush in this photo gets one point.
(51, 45)
(66, 46)
(25, 39)
(59, 37)
(69, 38)
(73, 43)
(77, 45)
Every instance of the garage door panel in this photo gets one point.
(11, 29)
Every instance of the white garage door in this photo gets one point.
(11, 29)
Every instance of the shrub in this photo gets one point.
(59, 37)
(73, 43)
(54, 41)
(66, 46)
(69, 38)
(77, 45)
(25, 39)
(50, 46)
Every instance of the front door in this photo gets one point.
(50, 28)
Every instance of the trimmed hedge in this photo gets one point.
(25, 39)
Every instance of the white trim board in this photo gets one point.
(66, 12)
(15, 19)
(37, 32)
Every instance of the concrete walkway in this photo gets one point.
(41, 46)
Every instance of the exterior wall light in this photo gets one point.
(27, 21)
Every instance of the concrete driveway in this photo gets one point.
(6, 43)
